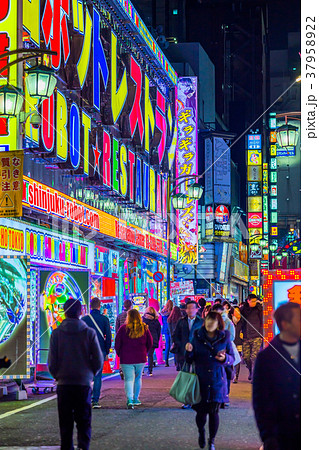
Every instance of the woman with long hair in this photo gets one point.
(132, 343)
(166, 311)
(211, 351)
(172, 320)
(151, 320)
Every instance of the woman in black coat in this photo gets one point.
(211, 351)
(150, 319)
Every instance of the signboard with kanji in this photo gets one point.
(11, 183)
(187, 165)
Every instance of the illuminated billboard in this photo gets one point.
(187, 165)
(15, 315)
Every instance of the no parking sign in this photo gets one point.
(158, 277)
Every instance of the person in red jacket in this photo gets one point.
(132, 343)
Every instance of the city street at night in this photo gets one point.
(159, 423)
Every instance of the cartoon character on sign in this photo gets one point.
(254, 159)
(294, 294)
(59, 287)
(222, 214)
(13, 295)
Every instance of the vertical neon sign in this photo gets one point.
(187, 165)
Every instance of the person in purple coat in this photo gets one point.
(211, 351)
(132, 343)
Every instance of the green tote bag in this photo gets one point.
(185, 388)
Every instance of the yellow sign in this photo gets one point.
(273, 150)
(9, 40)
(255, 204)
(254, 173)
(254, 158)
(11, 183)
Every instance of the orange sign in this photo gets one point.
(11, 178)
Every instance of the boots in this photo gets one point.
(211, 445)
(201, 438)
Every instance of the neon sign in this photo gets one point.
(187, 165)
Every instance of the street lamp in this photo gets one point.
(40, 81)
(254, 247)
(179, 201)
(287, 136)
(11, 100)
(195, 191)
(272, 247)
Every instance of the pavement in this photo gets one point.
(159, 423)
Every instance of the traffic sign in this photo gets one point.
(158, 277)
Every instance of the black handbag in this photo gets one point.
(174, 348)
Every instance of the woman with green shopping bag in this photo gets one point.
(211, 351)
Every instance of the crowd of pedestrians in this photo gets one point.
(215, 338)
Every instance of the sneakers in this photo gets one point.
(166, 364)
(250, 376)
(186, 406)
(96, 405)
(137, 402)
(150, 374)
(235, 380)
(130, 404)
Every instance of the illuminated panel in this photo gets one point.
(187, 165)
(293, 294)
(134, 17)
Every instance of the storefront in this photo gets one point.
(59, 267)
(239, 277)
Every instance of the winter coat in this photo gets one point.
(120, 320)
(229, 326)
(154, 326)
(253, 316)
(165, 315)
(75, 355)
(238, 329)
(171, 327)
(104, 325)
(132, 351)
(276, 396)
(182, 335)
(211, 373)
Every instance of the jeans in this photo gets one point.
(150, 359)
(74, 405)
(167, 346)
(97, 384)
(132, 380)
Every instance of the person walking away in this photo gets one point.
(252, 314)
(184, 332)
(75, 357)
(201, 304)
(206, 311)
(211, 351)
(229, 326)
(183, 309)
(238, 341)
(150, 319)
(166, 311)
(132, 343)
(277, 383)
(101, 324)
(172, 322)
(121, 318)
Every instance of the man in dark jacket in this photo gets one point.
(149, 318)
(74, 358)
(101, 325)
(121, 318)
(201, 304)
(252, 314)
(277, 384)
(184, 331)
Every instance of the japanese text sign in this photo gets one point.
(11, 179)
(187, 165)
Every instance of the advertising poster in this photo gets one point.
(140, 302)
(56, 287)
(11, 166)
(209, 227)
(221, 223)
(15, 315)
(108, 308)
(187, 165)
(149, 286)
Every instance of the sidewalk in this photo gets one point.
(159, 423)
